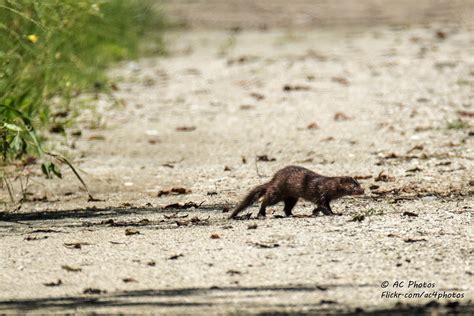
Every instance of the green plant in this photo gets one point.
(367, 213)
(52, 50)
(457, 124)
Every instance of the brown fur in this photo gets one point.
(293, 182)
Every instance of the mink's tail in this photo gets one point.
(251, 198)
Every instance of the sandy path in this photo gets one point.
(239, 95)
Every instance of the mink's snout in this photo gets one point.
(358, 191)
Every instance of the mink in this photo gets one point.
(292, 183)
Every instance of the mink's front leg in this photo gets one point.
(326, 209)
(262, 212)
(323, 209)
(323, 206)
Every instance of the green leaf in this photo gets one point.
(13, 127)
(17, 143)
(50, 169)
(45, 169)
(55, 169)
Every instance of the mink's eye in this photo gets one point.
(355, 183)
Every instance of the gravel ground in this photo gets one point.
(390, 103)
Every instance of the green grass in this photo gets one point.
(53, 50)
(457, 124)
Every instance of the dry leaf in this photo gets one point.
(57, 283)
(45, 231)
(131, 231)
(265, 158)
(327, 139)
(96, 137)
(339, 116)
(417, 147)
(358, 218)
(175, 215)
(288, 88)
(76, 245)
(313, 125)
(246, 107)
(154, 141)
(416, 169)
(391, 156)
(241, 60)
(185, 128)
(129, 280)
(175, 257)
(266, 245)
(174, 191)
(233, 272)
(340, 80)
(257, 96)
(183, 206)
(197, 220)
(384, 177)
(466, 113)
(71, 269)
(440, 35)
(30, 238)
(414, 239)
(93, 291)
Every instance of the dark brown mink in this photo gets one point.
(293, 182)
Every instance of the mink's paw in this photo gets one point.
(327, 212)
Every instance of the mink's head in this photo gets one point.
(350, 186)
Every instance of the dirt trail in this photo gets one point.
(387, 103)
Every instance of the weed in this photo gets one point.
(457, 124)
(51, 51)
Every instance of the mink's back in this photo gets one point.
(294, 181)
(295, 172)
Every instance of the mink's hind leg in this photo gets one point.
(290, 202)
(267, 201)
(262, 212)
